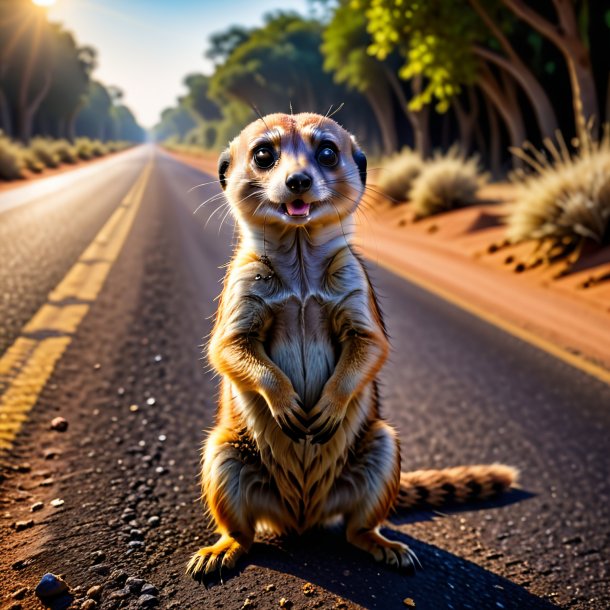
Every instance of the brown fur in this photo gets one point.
(299, 341)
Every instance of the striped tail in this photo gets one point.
(454, 485)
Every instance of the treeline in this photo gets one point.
(488, 74)
(47, 86)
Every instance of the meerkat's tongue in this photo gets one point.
(297, 208)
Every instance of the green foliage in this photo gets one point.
(435, 39)
(345, 44)
(12, 162)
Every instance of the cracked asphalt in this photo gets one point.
(135, 390)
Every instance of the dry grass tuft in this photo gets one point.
(446, 182)
(65, 151)
(398, 173)
(12, 162)
(565, 201)
(44, 150)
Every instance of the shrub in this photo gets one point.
(445, 183)
(65, 151)
(398, 173)
(98, 148)
(32, 162)
(565, 201)
(44, 150)
(83, 148)
(12, 162)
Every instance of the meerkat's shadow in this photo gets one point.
(324, 558)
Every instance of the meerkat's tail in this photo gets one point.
(454, 485)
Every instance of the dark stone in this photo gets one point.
(134, 584)
(149, 589)
(49, 586)
(147, 601)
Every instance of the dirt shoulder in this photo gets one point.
(458, 256)
(48, 172)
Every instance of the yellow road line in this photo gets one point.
(27, 365)
(547, 346)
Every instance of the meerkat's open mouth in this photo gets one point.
(296, 208)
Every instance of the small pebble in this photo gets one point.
(270, 587)
(154, 521)
(57, 502)
(149, 589)
(134, 584)
(309, 589)
(248, 603)
(23, 525)
(408, 601)
(285, 603)
(150, 401)
(97, 556)
(118, 577)
(133, 408)
(94, 592)
(88, 604)
(36, 506)
(147, 601)
(101, 569)
(59, 424)
(50, 585)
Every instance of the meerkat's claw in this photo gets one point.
(391, 552)
(209, 559)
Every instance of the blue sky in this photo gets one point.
(146, 47)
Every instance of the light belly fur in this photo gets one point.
(299, 343)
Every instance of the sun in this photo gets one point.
(44, 2)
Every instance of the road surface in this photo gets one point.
(137, 395)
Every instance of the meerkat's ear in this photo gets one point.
(223, 165)
(360, 160)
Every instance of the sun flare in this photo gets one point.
(44, 2)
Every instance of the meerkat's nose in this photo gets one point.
(299, 182)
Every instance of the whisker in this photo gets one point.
(203, 184)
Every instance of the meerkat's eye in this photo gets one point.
(327, 156)
(264, 157)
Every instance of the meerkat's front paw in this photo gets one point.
(287, 410)
(391, 552)
(223, 554)
(326, 417)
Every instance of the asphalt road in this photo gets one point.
(457, 389)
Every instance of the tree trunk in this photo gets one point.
(6, 124)
(510, 113)
(545, 113)
(27, 112)
(466, 120)
(567, 39)
(382, 109)
(495, 139)
(418, 120)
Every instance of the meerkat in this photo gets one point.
(298, 342)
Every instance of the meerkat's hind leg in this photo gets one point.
(391, 552)
(224, 553)
(366, 492)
